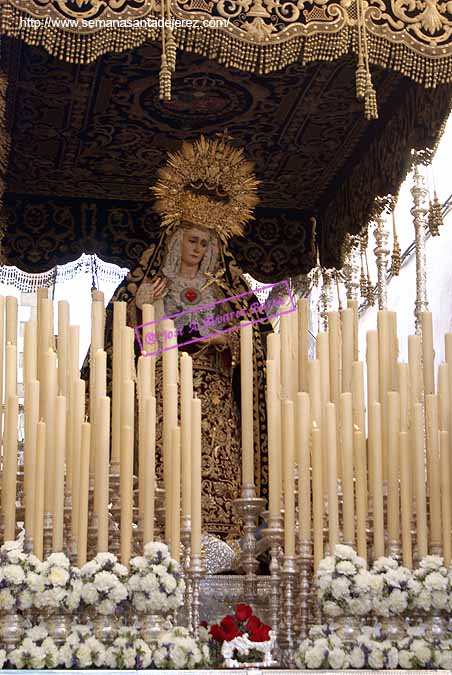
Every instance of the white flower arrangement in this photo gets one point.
(344, 584)
(128, 651)
(34, 655)
(416, 653)
(391, 586)
(104, 584)
(16, 570)
(60, 584)
(236, 651)
(82, 649)
(431, 585)
(178, 649)
(325, 650)
(155, 583)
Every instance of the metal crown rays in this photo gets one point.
(208, 183)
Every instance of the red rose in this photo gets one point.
(204, 624)
(230, 628)
(262, 634)
(243, 612)
(252, 625)
(217, 633)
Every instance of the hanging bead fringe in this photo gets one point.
(435, 216)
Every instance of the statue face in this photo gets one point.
(194, 245)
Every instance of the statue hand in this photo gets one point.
(150, 291)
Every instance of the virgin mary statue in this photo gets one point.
(205, 194)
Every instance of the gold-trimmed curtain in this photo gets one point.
(261, 35)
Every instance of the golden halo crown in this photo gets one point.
(209, 184)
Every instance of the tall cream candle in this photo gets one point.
(170, 420)
(359, 410)
(126, 493)
(373, 391)
(317, 494)
(393, 501)
(74, 352)
(359, 446)
(175, 495)
(119, 321)
(334, 346)
(415, 367)
(315, 395)
(9, 477)
(196, 512)
(385, 379)
(246, 374)
(322, 352)
(403, 383)
(82, 527)
(149, 469)
(393, 350)
(443, 395)
(31, 422)
(375, 451)
(11, 320)
(11, 371)
(49, 389)
(30, 351)
(285, 355)
(63, 347)
(348, 351)
(102, 446)
(445, 497)
(346, 436)
(78, 416)
(433, 468)
(288, 431)
(353, 304)
(303, 343)
(405, 494)
(333, 509)
(293, 323)
(97, 296)
(38, 505)
(420, 489)
(186, 396)
(144, 392)
(59, 461)
(428, 355)
(303, 459)
(149, 329)
(274, 440)
(127, 354)
(45, 332)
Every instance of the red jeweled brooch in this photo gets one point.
(191, 295)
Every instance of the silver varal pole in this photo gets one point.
(419, 212)
(381, 252)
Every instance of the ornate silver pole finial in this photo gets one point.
(419, 213)
(381, 252)
(351, 269)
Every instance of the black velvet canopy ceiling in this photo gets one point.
(86, 138)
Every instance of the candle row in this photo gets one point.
(320, 436)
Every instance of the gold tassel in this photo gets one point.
(370, 292)
(396, 261)
(435, 216)
(168, 64)
(362, 279)
(370, 100)
(364, 86)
